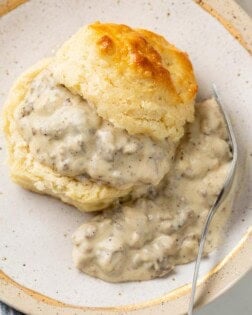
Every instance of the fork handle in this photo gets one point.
(201, 248)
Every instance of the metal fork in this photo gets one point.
(220, 198)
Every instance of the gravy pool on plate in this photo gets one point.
(146, 238)
(108, 122)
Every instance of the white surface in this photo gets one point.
(35, 228)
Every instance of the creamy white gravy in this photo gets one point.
(143, 238)
(64, 132)
(146, 238)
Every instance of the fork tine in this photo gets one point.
(223, 193)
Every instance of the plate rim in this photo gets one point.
(18, 294)
(28, 300)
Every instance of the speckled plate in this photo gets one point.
(37, 275)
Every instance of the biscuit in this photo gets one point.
(26, 171)
(135, 78)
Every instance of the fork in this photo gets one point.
(220, 198)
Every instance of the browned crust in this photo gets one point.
(163, 46)
(144, 51)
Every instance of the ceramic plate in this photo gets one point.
(38, 276)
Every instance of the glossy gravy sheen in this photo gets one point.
(146, 238)
(64, 132)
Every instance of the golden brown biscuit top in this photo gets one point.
(146, 52)
(135, 78)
